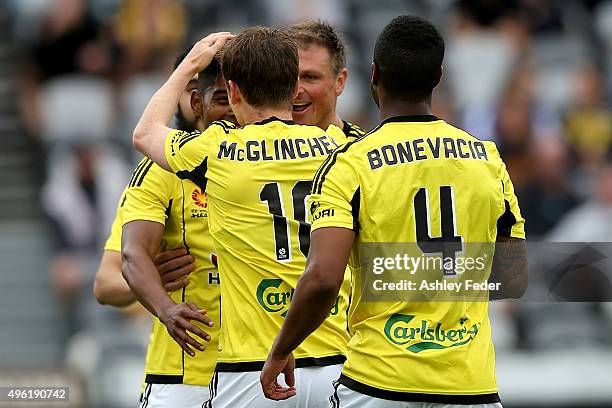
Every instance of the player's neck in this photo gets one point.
(394, 107)
(251, 114)
(337, 121)
(332, 119)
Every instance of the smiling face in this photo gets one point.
(216, 104)
(318, 88)
(210, 103)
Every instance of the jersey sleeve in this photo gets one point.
(187, 153)
(113, 242)
(149, 194)
(335, 197)
(511, 223)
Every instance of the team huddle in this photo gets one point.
(241, 230)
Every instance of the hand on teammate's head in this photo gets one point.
(205, 50)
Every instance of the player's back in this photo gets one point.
(258, 180)
(418, 180)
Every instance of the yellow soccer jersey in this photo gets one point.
(182, 207)
(418, 179)
(113, 242)
(258, 179)
(351, 130)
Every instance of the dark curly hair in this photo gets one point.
(408, 55)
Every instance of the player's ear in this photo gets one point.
(374, 74)
(197, 103)
(374, 79)
(341, 81)
(440, 74)
(233, 92)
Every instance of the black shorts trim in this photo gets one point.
(319, 361)
(463, 399)
(163, 379)
(299, 363)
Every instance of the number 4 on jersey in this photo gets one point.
(449, 243)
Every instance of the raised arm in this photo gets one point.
(152, 128)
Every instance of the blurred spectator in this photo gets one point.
(546, 197)
(515, 123)
(514, 127)
(589, 122)
(150, 33)
(70, 41)
(79, 198)
(592, 221)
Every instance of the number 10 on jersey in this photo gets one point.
(271, 194)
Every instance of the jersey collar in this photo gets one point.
(272, 119)
(411, 118)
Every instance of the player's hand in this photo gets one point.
(269, 377)
(204, 50)
(174, 266)
(177, 319)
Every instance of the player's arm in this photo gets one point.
(314, 297)
(510, 259)
(152, 128)
(509, 268)
(110, 288)
(334, 208)
(139, 245)
(173, 265)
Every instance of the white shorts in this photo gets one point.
(344, 397)
(174, 395)
(313, 387)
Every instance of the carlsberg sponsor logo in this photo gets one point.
(403, 330)
(274, 296)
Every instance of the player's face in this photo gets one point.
(216, 104)
(318, 88)
(186, 119)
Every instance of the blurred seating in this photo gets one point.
(133, 97)
(486, 53)
(556, 61)
(76, 108)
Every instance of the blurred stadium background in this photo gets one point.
(533, 75)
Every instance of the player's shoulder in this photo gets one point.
(147, 171)
(351, 130)
(224, 125)
(479, 143)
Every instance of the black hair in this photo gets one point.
(408, 55)
(208, 76)
(179, 118)
(181, 57)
